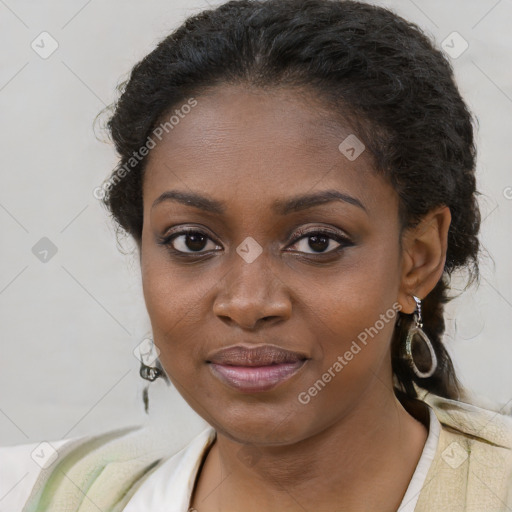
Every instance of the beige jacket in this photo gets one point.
(472, 467)
(471, 470)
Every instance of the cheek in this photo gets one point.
(354, 352)
(356, 336)
(355, 296)
(358, 312)
(172, 294)
(176, 300)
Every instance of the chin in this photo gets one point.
(263, 425)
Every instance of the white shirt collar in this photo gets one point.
(169, 488)
(420, 474)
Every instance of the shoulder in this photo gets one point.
(472, 467)
(20, 466)
(109, 465)
(480, 424)
(24, 468)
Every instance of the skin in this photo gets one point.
(353, 446)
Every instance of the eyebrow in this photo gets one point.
(280, 207)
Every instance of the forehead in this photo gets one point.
(258, 143)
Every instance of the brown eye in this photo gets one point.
(189, 241)
(320, 242)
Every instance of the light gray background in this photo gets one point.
(69, 325)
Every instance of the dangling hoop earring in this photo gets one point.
(417, 330)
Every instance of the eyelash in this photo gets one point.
(300, 234)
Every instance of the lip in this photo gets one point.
(255, 369)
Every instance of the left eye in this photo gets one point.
(319, 241)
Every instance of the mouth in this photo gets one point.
(255, 369)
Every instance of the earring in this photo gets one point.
(417, 330)
(150, 373)
(148, 354)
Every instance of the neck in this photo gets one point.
(376, 446)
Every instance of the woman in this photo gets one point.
(299, 177)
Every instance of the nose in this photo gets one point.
(252, 294)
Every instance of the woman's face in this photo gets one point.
(317, 280)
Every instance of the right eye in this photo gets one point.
(189, 241)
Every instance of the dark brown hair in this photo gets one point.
(375, 70)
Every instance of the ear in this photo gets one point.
(423, 257)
